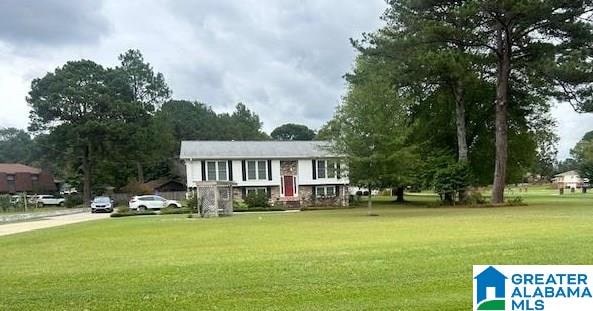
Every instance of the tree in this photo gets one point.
(242, 124)
(583, 155)
(542, 44)
(15, 146)
(291, 131)
(374, 133)
(147, 88)
(80, 105)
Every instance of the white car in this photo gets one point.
(145, 202)
(43, 200)
(102, 204)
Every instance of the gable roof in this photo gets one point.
(254, 150)
(14, 168)
(569, 173)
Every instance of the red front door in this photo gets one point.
(288, 186)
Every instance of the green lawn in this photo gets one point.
(408, 258)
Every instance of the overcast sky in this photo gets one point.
(283, 59)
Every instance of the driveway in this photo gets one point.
(49, 222)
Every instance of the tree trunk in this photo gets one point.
(460, 122)
(502, 98)
(461, 130)
(399, 195)
(86, 169)
(370, 202)
(140, 172)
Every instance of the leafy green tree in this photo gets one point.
(80, 105)
(291, 131)
(242, 124)
(147, 88)
(583, 155)
(542, 44)
(15, 146)
(374, 134)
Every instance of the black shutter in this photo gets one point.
(243, 170)
(243, 192)
(230, 170)
(203, 170)
(314, 192)
(338, 171)
(269, 169)
(269, 192)
(336, 191)
(314, 163)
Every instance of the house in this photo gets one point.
(165, 185)
(568, 180)
(291, 173)
(16, 178)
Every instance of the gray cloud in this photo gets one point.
(51, 22)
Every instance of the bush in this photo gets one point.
(132, 213)
(122, 209)
(5, 203)
(475, 198)
(267, 209)
(239, 205)
(192, 203)
(175, 211)
(73, 201)
(257, 200)
(515, 201)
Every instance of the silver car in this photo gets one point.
(104, 204)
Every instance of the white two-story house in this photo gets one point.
(291, 173)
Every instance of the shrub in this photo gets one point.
(4, 203)
(174, 211)
(257, 199)
(448, 181)
(123, 209)
(132, 213)
(475, 198)
(515, 201)
(239, 205)
(192, 203)
(73, 201)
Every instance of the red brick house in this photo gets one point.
(16, 178)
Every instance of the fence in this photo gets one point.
(172, 195)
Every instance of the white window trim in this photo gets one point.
(326, 162)
(226, 165)
(257, 167)
(317, 192)
(256, 189)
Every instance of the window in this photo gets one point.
(217, 171)
(325, 191)
(257, 170)
(256, 190)
(327, 169)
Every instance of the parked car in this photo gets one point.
(145, 202)
(104, 204)
(43, 200)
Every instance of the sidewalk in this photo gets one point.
(53, 221)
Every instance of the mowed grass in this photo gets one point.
(410, 257)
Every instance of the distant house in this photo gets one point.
(15, 178)
(291, 173)
(568, 180)
(165, 185)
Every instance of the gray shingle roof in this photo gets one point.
(254, 150)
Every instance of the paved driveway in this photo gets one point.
(49, 222)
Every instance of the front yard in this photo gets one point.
(408, 258)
